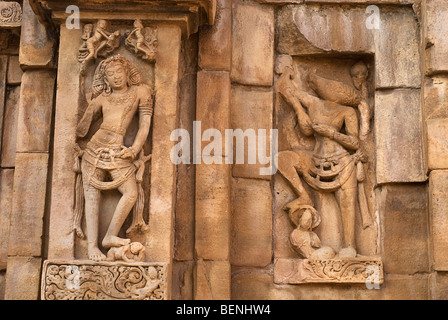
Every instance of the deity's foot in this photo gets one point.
(113, 241)
(96, 255)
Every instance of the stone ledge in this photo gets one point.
(350, 271)
(89, 280)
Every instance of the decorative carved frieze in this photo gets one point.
(366, 270)
(87, 280)
(10, 14)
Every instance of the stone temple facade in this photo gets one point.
(223, 149)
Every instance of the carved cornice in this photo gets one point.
(188, 14)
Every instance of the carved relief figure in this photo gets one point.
(119, 93)
(100, 44)
(327, 113)
(303, 239)
(143, 41)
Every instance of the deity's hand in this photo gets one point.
(324, 130)
(127, 153)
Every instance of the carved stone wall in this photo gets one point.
(355, 209)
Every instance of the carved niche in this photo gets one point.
(326, 204)
(111, 157)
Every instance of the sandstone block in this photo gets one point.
(212, 280)
(36, 48)
(252, 52)
(436, 43)
(435, 97)
(215, 41)
(23, 278)
(6, 187)
(35, 111)
(251, 223)
(10, 122)
(30, 190)
(252, 109)
(438, 282)
(437, 132)
(438, 201)
(165, 120)
(404, 220)
(213, 211)
(3, 70)
(14, 75)
(213, 105)
(399, 136)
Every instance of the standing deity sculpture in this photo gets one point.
(325, 110)
(118, 94)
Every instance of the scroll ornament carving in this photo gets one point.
(106, 281)
(10, 14)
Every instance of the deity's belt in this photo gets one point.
(330, 174)
(107, 159)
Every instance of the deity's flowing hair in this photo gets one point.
(100, 84)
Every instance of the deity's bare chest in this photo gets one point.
(119, 110)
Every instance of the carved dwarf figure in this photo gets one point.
(143, 41)
(303, 239)
(100, 43)
(119, 93)
(134, 251)
(331, 167)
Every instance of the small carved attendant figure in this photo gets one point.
(120, 94)
(303, 239)
(100, 44)
(143, 41)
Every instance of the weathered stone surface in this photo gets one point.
(438, 282)
(438, 204)
(435, 98)
(23, 278)
(10, 127)
(163, 172)
(213, 211)
(399, 136)
(251, 223)
(30, 191)
(211, 280)
(35, 111)
(14, 75)
(184, 218)
(6, 187)
(61, 238)
(213, 107)
(314, 29)
(436, 43)
(215, 41)
(251, 108)
(404, 220)
(437, 132)
(36, 46)
(3, 71)
(252, 52)
(183, 280)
